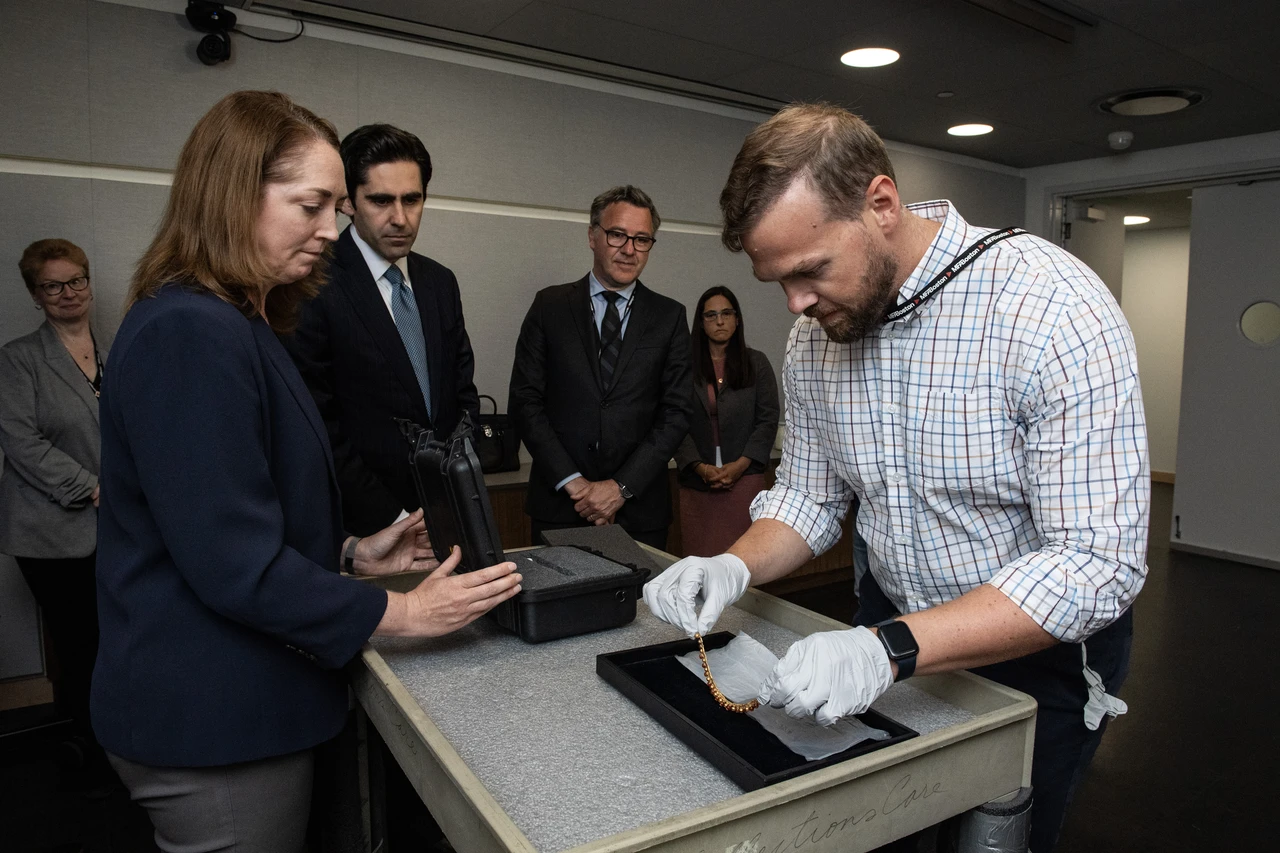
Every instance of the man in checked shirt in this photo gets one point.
(994, 434)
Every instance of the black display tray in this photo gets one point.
(652, 678)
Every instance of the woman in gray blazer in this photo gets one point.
(722, 460)
(49, 383)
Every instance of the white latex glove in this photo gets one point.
(831, 675)
(673, 595)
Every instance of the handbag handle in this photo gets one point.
(492, 401)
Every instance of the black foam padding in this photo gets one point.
(548, 568)
(607, 540)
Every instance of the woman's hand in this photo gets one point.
(444, 602)
(725, 476)
(402, 547)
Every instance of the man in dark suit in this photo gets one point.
(385, 339)
(600, 384)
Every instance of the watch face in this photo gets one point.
(898, 639)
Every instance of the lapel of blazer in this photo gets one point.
(428, 296)
(61, 363)
(361, 290)
(278, 357)
(641, 317)
(584, 320)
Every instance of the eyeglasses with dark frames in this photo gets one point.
(617, 239)
(53, 288)
(727, 314)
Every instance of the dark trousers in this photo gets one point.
(67, 593)
(1054, 677)
(655, 538)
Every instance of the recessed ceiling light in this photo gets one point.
(870, 57)
(1151, 102)
(946, 94)
(1137, 220)
(970, 129)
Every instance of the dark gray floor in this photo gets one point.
(1192, 768)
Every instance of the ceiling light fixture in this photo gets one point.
(970, 129)
(1151, 102)
(870, 57)
(1137, 220)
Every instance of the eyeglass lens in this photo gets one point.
(53, 288)
(727, 313)
(618, 239)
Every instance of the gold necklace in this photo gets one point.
(721, 699)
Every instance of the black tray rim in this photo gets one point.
(610, 667)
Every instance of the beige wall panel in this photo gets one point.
(147, 89)
(44, 66)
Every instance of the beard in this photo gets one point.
(850, 323)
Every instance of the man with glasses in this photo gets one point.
(600, 384)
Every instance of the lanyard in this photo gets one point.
(940, 280)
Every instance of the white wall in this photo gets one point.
(1100, 244)
(97, 98)
(1155, 303)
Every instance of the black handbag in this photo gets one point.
(496, 441)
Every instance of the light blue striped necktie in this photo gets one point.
(405, 312)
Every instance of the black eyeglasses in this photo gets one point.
(53, 288)
(710, 316)
(617, 239)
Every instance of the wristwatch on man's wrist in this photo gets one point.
(626, 493)
(901, 646)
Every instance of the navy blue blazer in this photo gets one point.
(224, 622)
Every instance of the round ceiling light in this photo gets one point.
(1137, 220)
(970, 129)
(1151, 102)
(870, 57)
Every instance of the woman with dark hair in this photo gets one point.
(49, 382)
(723, 458)
(225, 622)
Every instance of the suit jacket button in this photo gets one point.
(605, 404)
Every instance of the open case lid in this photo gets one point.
(451, 487)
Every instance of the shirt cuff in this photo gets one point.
(567, 480)
(817, 523)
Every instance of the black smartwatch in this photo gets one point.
(626, 493)
(901, 646)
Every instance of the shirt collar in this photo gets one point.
(377, 264)
(949, 242)
(597, 288)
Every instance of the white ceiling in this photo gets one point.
(1037, 90)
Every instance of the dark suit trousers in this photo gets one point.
(67, 592)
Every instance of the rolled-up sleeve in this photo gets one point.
(1087, 456)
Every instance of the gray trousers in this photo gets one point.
(254, 807)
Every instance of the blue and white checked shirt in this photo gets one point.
(995, 435)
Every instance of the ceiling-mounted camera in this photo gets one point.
(214, 19)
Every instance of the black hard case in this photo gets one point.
(653, 679)
(451, 487)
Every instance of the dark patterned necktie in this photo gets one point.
(610, 338)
